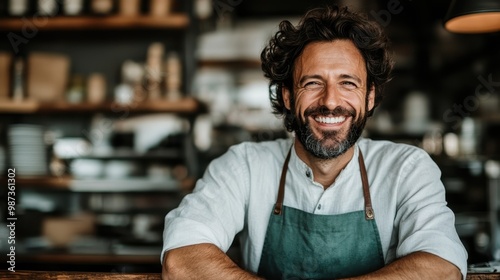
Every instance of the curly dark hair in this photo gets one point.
(324, 24)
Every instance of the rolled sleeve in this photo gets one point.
(215, 211)
(424, 221)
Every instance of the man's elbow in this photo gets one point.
(449, 271)
(173, 267)
(455, 273)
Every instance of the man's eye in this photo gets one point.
(312, 85)
(349, 84)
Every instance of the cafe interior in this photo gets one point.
(110, 110)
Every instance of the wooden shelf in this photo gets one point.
(166, 153)
(66, 258)
(184, 106)
(230, 63)
(172, 21)
(45, 182)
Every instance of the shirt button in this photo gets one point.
(308, 174)
(319, 207)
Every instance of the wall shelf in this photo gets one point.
(100, 44)
(230, 63)
(167, 153)
(51, 182)
(183, 106)
(57, 23)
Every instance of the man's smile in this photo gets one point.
(330, 120)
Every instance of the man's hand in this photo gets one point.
(201, 261)
(417, 265)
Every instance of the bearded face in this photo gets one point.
(329, 144)
(330, 98)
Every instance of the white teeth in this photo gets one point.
(330, 120)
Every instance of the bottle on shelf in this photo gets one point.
(18, 78)
(73, 7)
(160, 7)
(154, 71)
(131, 89)
(124, 94)
(203, 10)
(76, 91)
(96, 88)
(18, 8)
(102, 7)
(47, 7)
(129, 7)
(173, 77)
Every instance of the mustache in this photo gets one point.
(323, 110)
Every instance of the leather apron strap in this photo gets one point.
(281, 190)
(369, 214)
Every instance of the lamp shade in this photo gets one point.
(473, 16)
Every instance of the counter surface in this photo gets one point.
(62, 275)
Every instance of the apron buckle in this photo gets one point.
(277, 209)
(369, 213)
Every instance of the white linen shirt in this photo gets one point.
(239, 189)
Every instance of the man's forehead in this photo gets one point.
(330, 55)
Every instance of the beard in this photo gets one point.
(330, 144)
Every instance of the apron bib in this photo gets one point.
(301, 245)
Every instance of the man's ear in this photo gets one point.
(371, 98)
(286, 97)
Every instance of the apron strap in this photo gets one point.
(369, 214)
(281, 191)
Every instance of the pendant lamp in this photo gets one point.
(473, 16)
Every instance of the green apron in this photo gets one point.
(301, 245)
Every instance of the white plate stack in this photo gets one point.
(27, 150)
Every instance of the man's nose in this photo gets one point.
(331, 97)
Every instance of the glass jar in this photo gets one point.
(48, 7)
(102, 7)
(73, 7)
(76, 90)
(130, 7)
(18, 7)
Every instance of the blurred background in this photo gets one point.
(111, 109)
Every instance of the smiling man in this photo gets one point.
(330, 101)
(326, 204)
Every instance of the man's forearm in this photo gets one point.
(417, 265)
(201, 261)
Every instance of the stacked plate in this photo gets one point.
(27, 150)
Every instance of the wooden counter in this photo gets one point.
(61, 275)
(483, 276)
